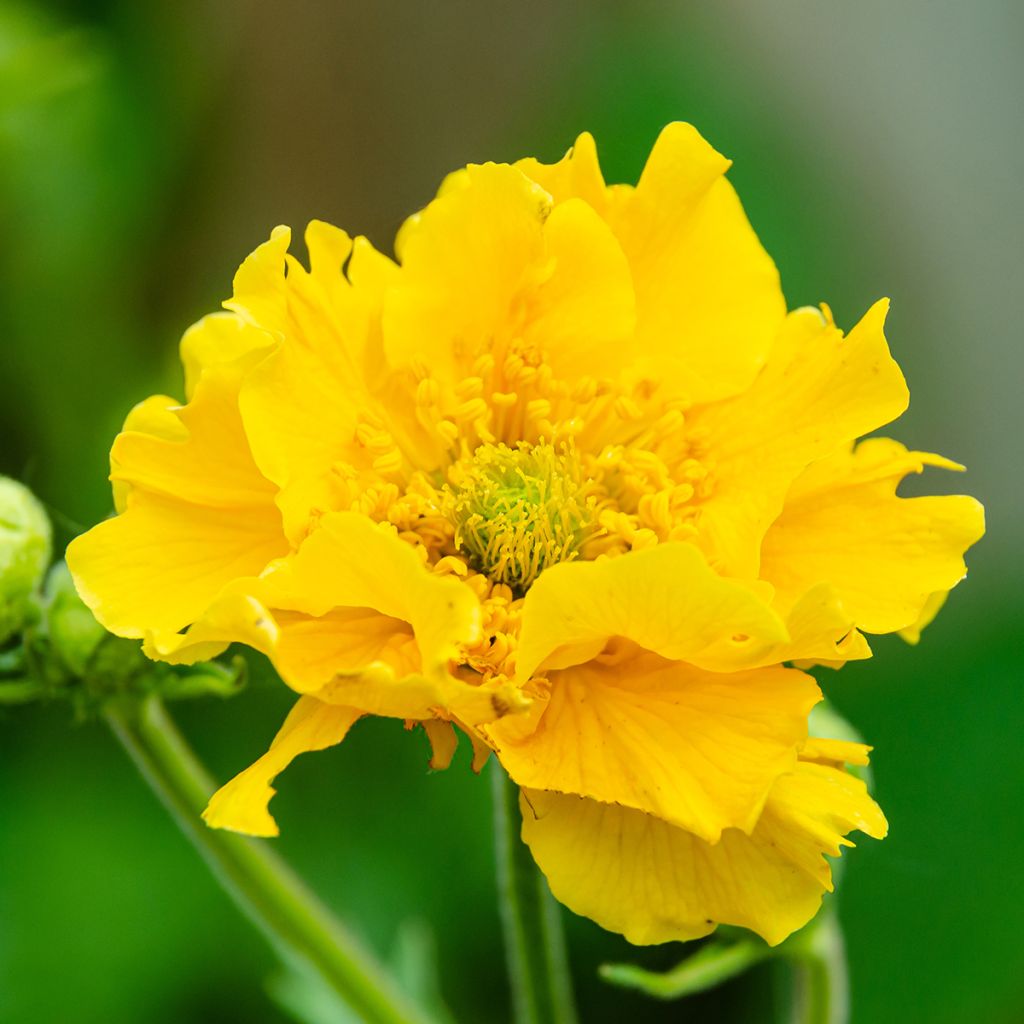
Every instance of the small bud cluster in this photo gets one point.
(51, 645)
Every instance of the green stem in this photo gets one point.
(531, 920)
(819, 982)
(261, 884)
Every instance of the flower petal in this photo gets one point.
(885, 556)
(220, 340)
(197, 516)
(635, 874)
(932, 607)
(210, 465)
(465, 260)
(810, 811)
(489, 264)
(259, 294)
(582, 317)
(665, 598)
(235, 616)
(576, 176)
(161, 564)
(821, 631)
(303, 406)
(691, 251)
(351, 576)
(241, 805)
(351, 562)
(817, 393)
(156, 416)
(698, 749)
(378, 690)
(443, 743)
(835, 753)
(313, 650)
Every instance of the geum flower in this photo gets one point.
(568, 476)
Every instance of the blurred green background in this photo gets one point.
(145, 148)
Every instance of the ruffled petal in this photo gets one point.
(576, 176)
(197, 516)
(810, 812)
(932, 607)
(241, 805)
(582, 317)
(315, 427)
(821, 631)
(235, 616)
(691, 251)
(159, 566)
(885, 556)
(443, 743)
(312, 650)
(489, 266)
(220, 340)
(379, 690)
(209, 464)
(363, 622)
(695, 748)
(635, 874)
(666, 599)
(302, 423)
(835, 753)
(259, 294)
(817, 393)
(465, 259)
(351, 562)
(156, 416)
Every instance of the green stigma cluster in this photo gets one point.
(517, 511)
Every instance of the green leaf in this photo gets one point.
(307, 1000)
(714, 963)
(415, 968)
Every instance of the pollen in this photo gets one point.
(518, 510)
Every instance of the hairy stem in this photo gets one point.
(531, 920)
(301, 929)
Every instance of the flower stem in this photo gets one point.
(819, 984)
(531, 920)
(300, 928)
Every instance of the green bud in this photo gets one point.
(205, 679)
(25, 546)
(71, 627)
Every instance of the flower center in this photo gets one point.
(517, 511)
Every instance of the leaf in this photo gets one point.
(414, 962)
(307, 1000)
(714, 963)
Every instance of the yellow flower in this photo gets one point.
(568, 476)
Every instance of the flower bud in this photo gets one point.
(72, 628)
(25, 545)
